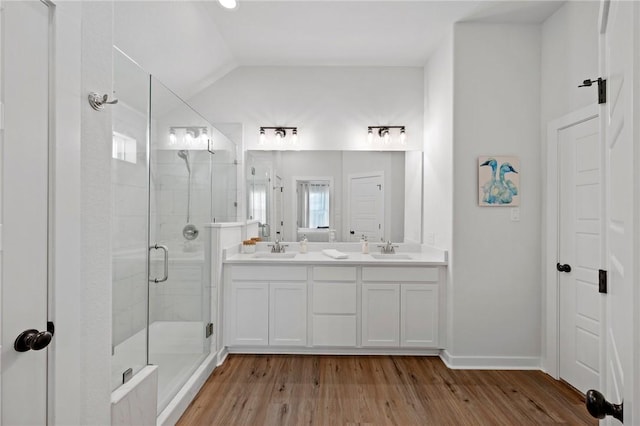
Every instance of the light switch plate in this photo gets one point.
(515, 214)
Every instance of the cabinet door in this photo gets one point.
(380, 314)
(419, 315)
(288, 314)
(249, 314)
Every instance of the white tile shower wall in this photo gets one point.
(180, 297)
(170, 184)
(129, 295)
(129, 208)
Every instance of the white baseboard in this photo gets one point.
(178, 405)
(490, 362)
(222, 356)
(283, 350)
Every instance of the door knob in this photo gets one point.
(563, 268)
(33, 339)
(599, 407)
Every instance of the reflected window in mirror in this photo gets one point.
(313, 204)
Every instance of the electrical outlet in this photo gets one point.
(515, 214)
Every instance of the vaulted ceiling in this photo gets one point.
(190, 44)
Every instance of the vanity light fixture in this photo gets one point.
(189, 136)
(384, 133)
(280, 134)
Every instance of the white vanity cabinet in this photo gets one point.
(328, 307)
(248, 315)
(271, 310)
(400, 307)
(334, 305)
(288, 313)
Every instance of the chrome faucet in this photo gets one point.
(387, 248)
(277, 247)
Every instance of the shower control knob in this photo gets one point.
(32, 340)
(190, 232)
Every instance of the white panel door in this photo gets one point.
(579, 246)
(419, 315)
(619, 48)
(25, 207)
(380, 314)
(288, 314)
(249, 314)
(366, 207)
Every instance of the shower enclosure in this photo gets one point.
(167, 165)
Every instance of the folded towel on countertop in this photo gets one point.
(335, 254)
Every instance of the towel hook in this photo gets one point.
(97, 102)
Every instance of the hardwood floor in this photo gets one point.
(380, 390)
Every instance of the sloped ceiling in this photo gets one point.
(189, 44)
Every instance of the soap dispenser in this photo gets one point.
(303, 244)
(365, 244)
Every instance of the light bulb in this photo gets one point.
(294, 136)
(228, 4)
(280, 135)
(384, 134)
(188, 136)
(263, 137)
(403, 136)
(204, 137)
(172, 136)
(370, 135)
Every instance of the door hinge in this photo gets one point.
(127, 375)
(1, 116)
(602, 281)
(602, 88)
(209, 330)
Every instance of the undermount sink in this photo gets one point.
(391, 256)
(268, 255)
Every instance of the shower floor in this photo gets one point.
(176, 347)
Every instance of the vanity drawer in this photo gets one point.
(400, 274)
(269, 273)
(334, 298)
(334, 273)
(334, 330)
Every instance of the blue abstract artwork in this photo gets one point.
(498, 181)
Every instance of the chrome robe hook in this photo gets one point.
(97, 102)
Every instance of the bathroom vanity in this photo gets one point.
(311, 303)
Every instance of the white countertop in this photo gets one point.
(426, 257)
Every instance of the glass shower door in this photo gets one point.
(129, 212)
(179, 206)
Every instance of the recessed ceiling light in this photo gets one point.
(228, 4)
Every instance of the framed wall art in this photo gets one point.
(498, 181)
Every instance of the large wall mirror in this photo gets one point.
(335, 195)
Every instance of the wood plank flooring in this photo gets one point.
(377, 390)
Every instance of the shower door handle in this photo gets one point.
(166, 263)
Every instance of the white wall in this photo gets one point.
(569, 56)
(94, 297)
(331, 106)
(496, 276)
(438, 146)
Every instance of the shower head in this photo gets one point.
(184, 154)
